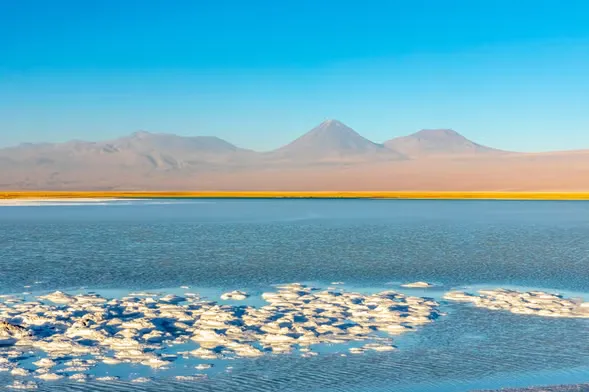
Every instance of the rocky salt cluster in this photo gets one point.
(536, 303)
(71, 334)
(234, 295)
(417, 285)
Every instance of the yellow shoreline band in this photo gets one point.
(296, 194)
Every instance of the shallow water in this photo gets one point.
(251, 244)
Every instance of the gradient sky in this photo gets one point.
(513, 74)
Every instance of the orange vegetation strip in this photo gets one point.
(279, 194)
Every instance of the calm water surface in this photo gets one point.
(239, 244)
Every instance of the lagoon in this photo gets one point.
(215, 246)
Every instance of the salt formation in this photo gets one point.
(536, 303)
(141, 380)
(80, 331)
(203, 366)
(234, 295)
(10, 333)
(23, 385)
(417, 285)
(107, 378)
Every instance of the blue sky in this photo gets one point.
(508, 73)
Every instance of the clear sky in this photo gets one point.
(513, 74)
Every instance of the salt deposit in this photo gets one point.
(141, 380)
(536, 303)
(107, 378)
(203, 366)
(234, 295)
(73, 333)
(19, 385)
(417, 285)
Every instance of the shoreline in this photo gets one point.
(93, 196)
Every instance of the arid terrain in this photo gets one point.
(330, 157)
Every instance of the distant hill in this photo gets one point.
(437, 142)
(333, 141)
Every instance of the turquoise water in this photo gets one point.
(213, 246)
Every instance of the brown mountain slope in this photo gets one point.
(332, 141)
(437, 142)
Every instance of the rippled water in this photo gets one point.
(232, 244)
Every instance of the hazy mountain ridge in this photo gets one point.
(331, 138)
(331, 156)
(141, 150)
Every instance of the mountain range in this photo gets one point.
(331, 156)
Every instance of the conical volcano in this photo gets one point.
(333, 140)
